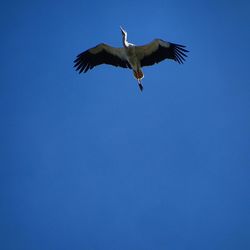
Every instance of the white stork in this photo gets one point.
(130, 56)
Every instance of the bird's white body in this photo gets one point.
(130, 56)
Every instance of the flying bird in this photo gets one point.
(130, 56)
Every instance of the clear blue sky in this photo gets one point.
(89, 162)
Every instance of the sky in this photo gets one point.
(89, 162)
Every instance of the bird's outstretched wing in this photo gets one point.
(159, 50)
(101, 54)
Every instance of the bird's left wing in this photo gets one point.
(159, 50)
(101, 54)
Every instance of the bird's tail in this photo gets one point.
(138, 74)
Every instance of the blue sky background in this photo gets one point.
(89, 162)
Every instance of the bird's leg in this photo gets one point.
(140, 84)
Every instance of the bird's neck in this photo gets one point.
(124, 41)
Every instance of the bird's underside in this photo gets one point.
(141, 56)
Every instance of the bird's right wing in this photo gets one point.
(101, 54)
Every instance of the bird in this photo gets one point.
(130, 56)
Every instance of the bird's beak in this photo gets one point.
(122, 30)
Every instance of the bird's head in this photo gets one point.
(124, 33)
